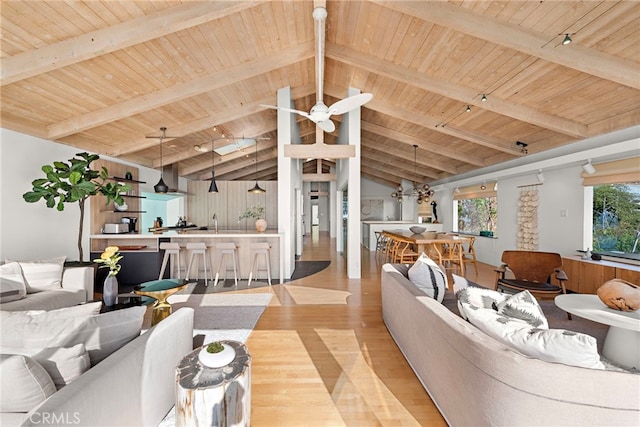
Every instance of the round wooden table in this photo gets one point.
(622, 343)
(214, 396)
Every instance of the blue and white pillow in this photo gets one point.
(429, 277)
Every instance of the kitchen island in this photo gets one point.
(143, 257)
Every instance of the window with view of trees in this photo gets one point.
(478, 214)
(616, 219)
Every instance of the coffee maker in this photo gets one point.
(132, 221)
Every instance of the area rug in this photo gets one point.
(307, 268)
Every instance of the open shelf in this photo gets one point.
(121, 179)
(133, 197)
(124, 212)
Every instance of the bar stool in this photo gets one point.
(170, 249)
(222, 250)
(196, 249)
(260, 249)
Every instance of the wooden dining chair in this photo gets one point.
(405, 253)
(469, 255)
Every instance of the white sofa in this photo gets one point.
(475, 380)
(133, 386)
(77, 287)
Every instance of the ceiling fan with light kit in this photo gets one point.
(320, 113)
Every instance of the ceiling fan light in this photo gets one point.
(161, 187)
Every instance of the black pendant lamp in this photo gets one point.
(161, 187)
(256, 188)
(213, 188)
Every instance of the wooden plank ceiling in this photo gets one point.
(102, 76)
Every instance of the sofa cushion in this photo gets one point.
(42, 275)
(523, 306)
(12, 285)
(551, 345)
(476, 297)
(429, 277)
(101, 334)
(23, 383)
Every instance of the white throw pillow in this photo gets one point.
(551, 345)
(24, 384)
(523, 306)
(61, 363)
(42, 275)
(429, 277)
(101, 334)
(12, 286)
(477, 297)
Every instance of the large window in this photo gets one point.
(616, 220)
(477, 210)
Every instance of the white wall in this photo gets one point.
(371, 190)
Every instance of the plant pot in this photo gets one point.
(217, 360)
(261, 225)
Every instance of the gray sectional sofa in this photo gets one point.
(476, 380)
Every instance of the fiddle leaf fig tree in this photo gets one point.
(74, 182)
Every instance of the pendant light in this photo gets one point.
(256, 188)
(213, 188)
(161, 187)
(422, 192)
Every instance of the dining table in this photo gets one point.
(445, 247)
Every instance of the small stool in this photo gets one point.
(170, 249)
(196, 249)
(222, 250)
(260, 249)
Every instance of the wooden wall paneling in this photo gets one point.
(218, 205)
(197, 209)
(271, 203)
(237, 204)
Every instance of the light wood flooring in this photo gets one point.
(322, 355)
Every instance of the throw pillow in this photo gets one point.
(62, 364)
(12, 286)
(477, 297)
(23, 383)
(42, 275)
(550, 345)
(523, 306)
(101, 334)
(428, 277)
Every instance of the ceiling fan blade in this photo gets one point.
(327, 125)
(288, 110)
(350, 103)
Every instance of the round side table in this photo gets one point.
(214, 396)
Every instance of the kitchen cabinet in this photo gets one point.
(586, 275)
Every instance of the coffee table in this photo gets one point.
(160, 290)
(622, 343)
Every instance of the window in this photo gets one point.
(616, 220)
(477, 210)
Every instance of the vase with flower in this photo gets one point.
(109, 259)
(256, 212)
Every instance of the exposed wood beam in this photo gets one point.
(228, 160)
(319, 150)
(244, 172)
(181, 91)
(573, 56)
(463, 94)
(120, 36)
(379, 176)
(401, 164)
(405, 151)
(425, 145)
(318, 177)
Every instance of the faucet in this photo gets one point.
(215, 222)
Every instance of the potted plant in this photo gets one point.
(74, 182)
(256, 212)
(216, 354)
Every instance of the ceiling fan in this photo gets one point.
(320, 114)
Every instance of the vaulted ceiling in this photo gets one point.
(103, 76)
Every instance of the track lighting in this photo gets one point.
(567, 39)
(588, 168)
(484, 98)
(457, 190)
(540, 176)
(523, 147)
(483, 186)
(468, 108)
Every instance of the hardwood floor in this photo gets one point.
(322, 355)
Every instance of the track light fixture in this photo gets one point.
(484, 98)
(523, 147)
(483, 186)
(540, 176)
(567, 39)
(456, 190)
(588, 168)
(468, 108)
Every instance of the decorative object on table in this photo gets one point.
(208, 397)
(216, 355)
(620, 295)
(74, 182)
(128, 175)
(587, 254)
(256, 212)
(528, 218)
(121, 207)
(158, 222)
(109, 259)
(434, 210)
(422, 193)
(416, 229)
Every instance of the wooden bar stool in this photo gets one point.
(260, 249)
(196, 249)
(222, 250)
(170, 250)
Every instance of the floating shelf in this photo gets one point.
(124, 212)
(133, 197)
(119, 178)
